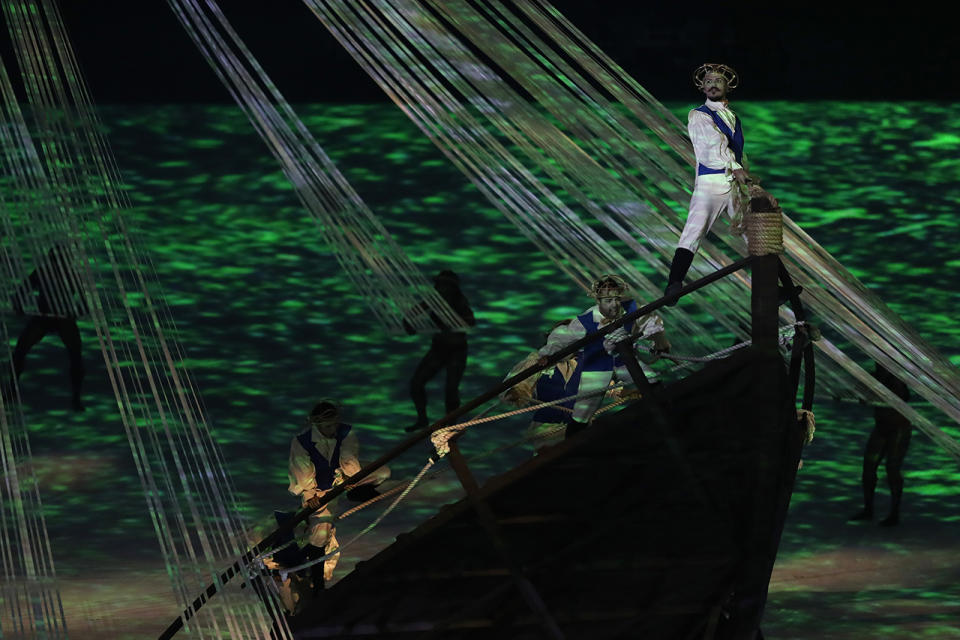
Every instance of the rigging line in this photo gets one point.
(35, 565)
(134, 325)
(460, 427)
(949, 378)
(680, 151)
(307, 144)
(481, 182)
(415, 438)
(619, 263)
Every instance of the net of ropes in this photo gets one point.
(65, 204)
(388, 281)
(582, 159)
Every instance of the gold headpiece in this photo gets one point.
(609, 286)
(728, 72)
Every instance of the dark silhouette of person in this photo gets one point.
(448, 349)
(55, 287)
(889, 440)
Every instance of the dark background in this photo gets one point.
(136, 52)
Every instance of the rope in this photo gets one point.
(385, 277)
(764, 233)
(453, 429)
(189, 497)
(286, 571)
(716, 355)
(441, 436)
(503, 141)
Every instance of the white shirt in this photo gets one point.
(709, 144)
(303, 480)
(565, 335)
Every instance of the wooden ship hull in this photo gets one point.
(659, 521)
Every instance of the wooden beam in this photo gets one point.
(489, 522)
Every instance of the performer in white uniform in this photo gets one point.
(598, 363)
(717, 137)
(321, 458)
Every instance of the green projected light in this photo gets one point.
(270, 325)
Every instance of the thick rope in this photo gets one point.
(764, 233)
(286, 571)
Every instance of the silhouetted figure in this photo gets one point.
(448, 349)
(56, 288)
(889, 440)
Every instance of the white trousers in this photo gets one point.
(712, 194)
(322, 528)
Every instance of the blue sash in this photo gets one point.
(323, 469)
(735, 138)
(595, 357)
(554, 387)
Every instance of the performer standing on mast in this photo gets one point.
(717, 136)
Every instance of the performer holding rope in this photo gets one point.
(448, 348)
(599, 365)
(322, 457)
(717, 136)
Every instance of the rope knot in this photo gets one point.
(441, 439)
(764, 222)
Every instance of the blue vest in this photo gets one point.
(595, 357)
(323, 468)
(554, 387)
(735, 137)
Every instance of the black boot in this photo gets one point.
(316, 570)
(682, 259)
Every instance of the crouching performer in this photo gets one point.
(599, 364)
(547, 425)
(322, 457)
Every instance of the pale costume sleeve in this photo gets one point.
(349, 454)
(522, 392)
(563, 336)
(303, 480)
(650, 327)
(710, 146)
(647, 326)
